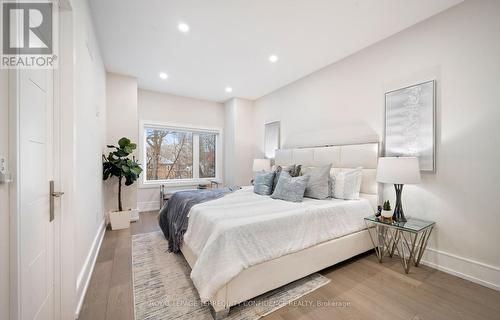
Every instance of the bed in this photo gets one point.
(244, 244)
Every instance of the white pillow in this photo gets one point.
(347, 184)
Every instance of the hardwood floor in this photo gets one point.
(109, 295)
(361, 288)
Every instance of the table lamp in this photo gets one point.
(261, 165)
(398, 171)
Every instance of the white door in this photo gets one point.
(36, 168)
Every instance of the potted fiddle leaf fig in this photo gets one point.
(119, 164)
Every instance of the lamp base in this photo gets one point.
(398, 209)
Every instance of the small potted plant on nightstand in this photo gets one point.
(387, 211)
(118, 164)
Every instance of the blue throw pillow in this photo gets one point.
(290, 188)
(263, 184)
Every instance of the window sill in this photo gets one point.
(185, 183)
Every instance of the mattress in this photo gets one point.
(243, 229)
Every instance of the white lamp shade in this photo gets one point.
(398, 170)
(261, 165)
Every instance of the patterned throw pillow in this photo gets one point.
(290, 188)
(318, 185)
(293, 170)
(347, 184)
(263, 183)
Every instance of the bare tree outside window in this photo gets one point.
(169, 154)
(207, 155)
(154, 140)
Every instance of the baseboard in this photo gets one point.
(83, 279)
(148, 206)
(477, 272)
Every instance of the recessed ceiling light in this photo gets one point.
(273, 58)
(229, 89)
(183, 27)
(163, 75)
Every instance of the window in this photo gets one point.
(177, 154)
(169, 154)
(271, 139)
(207, 155)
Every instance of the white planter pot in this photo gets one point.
(387, 213)
(120, 219)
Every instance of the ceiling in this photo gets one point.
(230, 41)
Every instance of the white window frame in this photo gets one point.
(144, 183)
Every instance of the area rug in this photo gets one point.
(163, 288)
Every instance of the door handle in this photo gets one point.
(52, 194)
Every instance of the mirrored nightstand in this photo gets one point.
(408, 239)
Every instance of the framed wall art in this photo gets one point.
(410, 123)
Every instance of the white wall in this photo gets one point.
(88, 124)
(89, 130)
(460, 48)
(4, 199)
(167, 108)
(240, 146)
(121, 121)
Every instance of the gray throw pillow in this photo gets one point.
(290, 188)
(263, 184)
(318, 185)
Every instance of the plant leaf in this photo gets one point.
(123, 142)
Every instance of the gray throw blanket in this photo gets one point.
(174, 215)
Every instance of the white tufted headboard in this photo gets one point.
(341, 157)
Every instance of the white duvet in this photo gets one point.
(243, 229)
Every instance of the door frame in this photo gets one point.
(65, 89)
(14, 234)
(64, 283)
